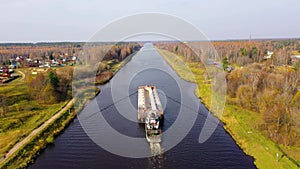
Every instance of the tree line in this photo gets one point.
(55, 85)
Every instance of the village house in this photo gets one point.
(269, 55)
(295, 58)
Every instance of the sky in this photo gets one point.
(78, 20)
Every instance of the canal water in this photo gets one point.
(74, 148)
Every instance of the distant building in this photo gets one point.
(269, 55)
(12, 66)
(210, 61)
(47, 64)
(295, 58)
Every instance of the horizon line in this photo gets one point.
(213, 40)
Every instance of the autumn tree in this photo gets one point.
(245, 97)
(36, 85)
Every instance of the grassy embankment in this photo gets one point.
(27, 153)
(23, 114)
(240, 123)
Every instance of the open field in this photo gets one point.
(240, 123)
(36, 131)
(23, 114)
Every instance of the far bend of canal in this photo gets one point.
(75, 149)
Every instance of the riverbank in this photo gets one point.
(106, 76)
(26, 148)
(238, 122)
(25, 151)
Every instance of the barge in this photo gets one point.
(150, 112)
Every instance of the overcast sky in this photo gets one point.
(78, 20)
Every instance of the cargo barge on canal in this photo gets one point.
(150, 112)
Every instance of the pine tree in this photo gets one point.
(224, 63)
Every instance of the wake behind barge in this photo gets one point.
(150, 112)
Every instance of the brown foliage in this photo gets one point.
(264, 86)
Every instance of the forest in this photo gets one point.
(269, 86)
